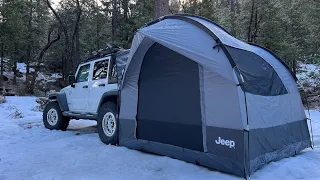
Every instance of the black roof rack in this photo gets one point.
(110, 49)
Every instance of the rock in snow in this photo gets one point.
(29, 151)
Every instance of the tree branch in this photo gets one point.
(49, 43)
(76, 26)
(65, 31)
(251, 20)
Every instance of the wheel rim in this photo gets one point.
(52, 117)
(109, 124)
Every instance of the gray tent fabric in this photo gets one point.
(193, 92)
(121, 62)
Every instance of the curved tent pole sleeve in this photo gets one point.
(186, 15)
(200, 17)
(226, 52)
(248, 131)
(153, 22)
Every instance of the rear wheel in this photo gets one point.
(53, 118)
(107, 123)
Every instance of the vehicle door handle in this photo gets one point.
(102, 85)
(86, 86)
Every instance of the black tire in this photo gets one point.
(108, 107)
(62, 121)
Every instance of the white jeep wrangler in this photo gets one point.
(92, 94)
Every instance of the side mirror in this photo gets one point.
(72, 80)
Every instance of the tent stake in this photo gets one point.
(308, 108)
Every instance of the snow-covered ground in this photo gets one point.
(22, 68)
(308, 73)
(29, 151)
(48, 77)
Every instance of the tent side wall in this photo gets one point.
(278, 126)
(275, 143)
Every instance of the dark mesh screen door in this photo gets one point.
(169, 99)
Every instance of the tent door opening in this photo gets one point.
(169, 99)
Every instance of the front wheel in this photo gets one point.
(107, 123)
(53, 118)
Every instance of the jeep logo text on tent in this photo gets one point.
(229, 143)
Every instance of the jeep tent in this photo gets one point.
(193, 92)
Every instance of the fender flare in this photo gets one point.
(61, 98)
(109, 94)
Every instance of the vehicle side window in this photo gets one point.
(83, 73)
(100, 70)
(113, 73)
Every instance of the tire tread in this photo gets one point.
(107, 107)
(63, 121)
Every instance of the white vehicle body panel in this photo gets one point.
(85, 97)
(77, 96)
(97, 88)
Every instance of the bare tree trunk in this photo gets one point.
(35, 73)
(1, 49)
(68, 57)
(97, 26)
(251, 21)
(125, 9)
(62, 64)
(238, 7)
(114, 20)
(125, 17)
(256, 27)
(98, 34)
(2, 56)
(29, 48)
(224, 3)
(43, 51)
(161, 8)
(233, 17)
(294, 66)
(294, 60)
(15, 72)
(77, 52)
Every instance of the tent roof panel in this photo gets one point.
(220, 32)
(190, 41)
